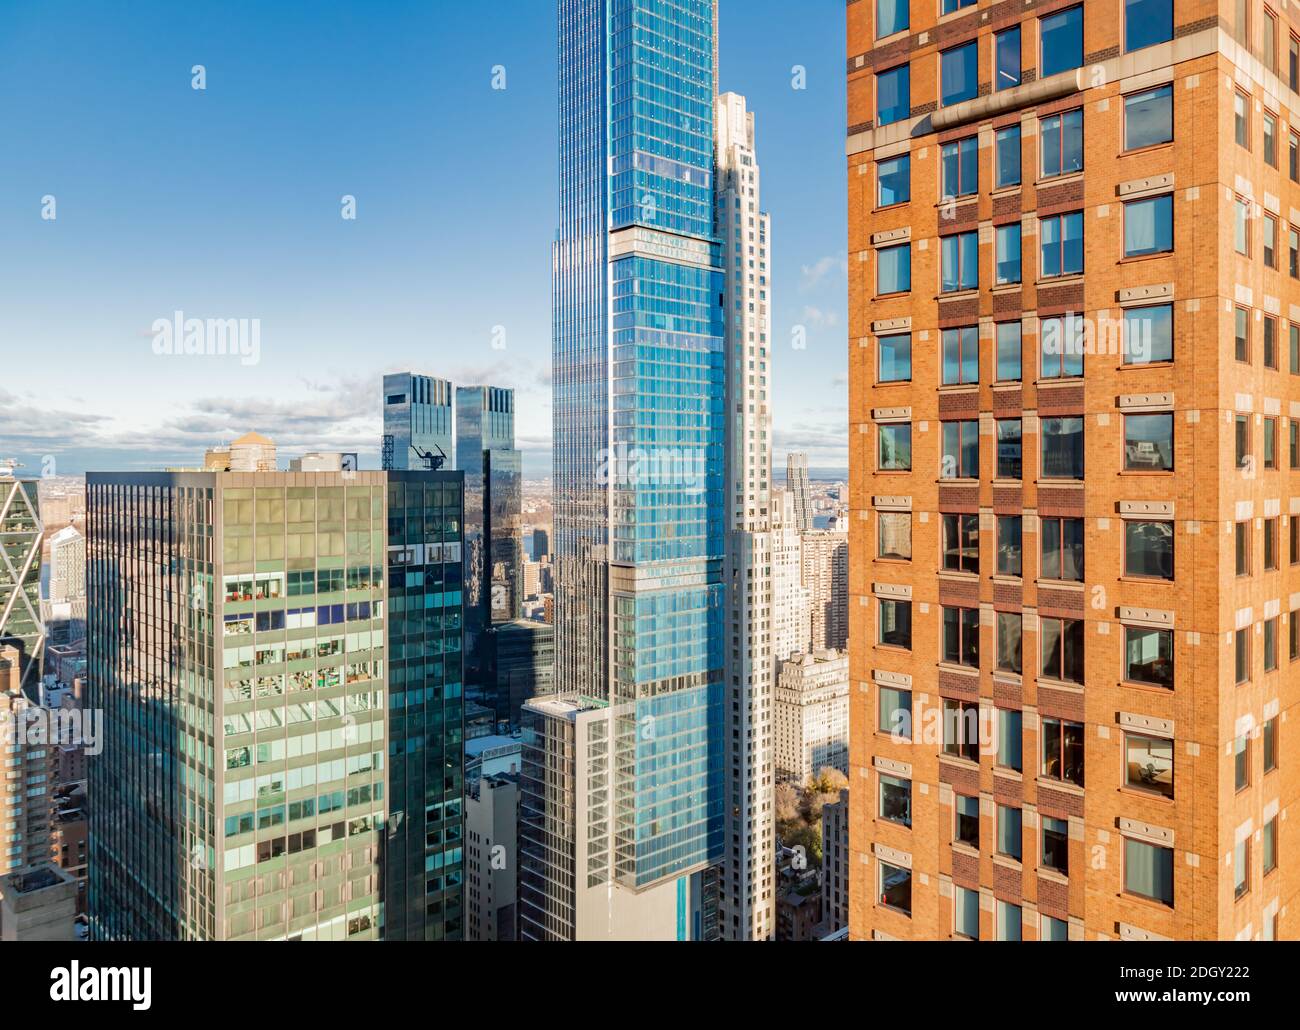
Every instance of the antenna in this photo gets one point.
(433, 461)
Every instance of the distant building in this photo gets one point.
(25, 789)
(67, 566)
(21, 532)
(417, 421)
(790, 618)
(835, 864)
(324, 461)
(825, 560)
(524, 654)
(798, 912)
(541, 545)
(799, 489)
(38, 904)
(492, 858)
(532, 579)
(492, 755)
(812, 715)
(69, 833)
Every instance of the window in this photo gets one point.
(894, 269)
(1009, 450)
(894, 179)
(1056, 844)
(961, 736)
(1009, 739)
(1006, 157)
(1270, 645)
(1293, 252)
(1241, 119)
(1149, 118)
(955, 5)
(1062, 549)
(1293, 531)
(1149, 226)
(1010, 529)
(1009, 832)
(1293, 339)
(1053, 929)
(1062, 245)
(1149, 334)
(1268, 41)
(961, 636)
(1061, 341)
(961, 543)
(1062, 644)
(1293, 65)
(1270, 442)
(1149, 549)
(1270, 241)
(1149, 442)
(895, 358)
(1006, 268)
(1241, 869)
(1149, 656)
(1006, 58)
(960, 258)
(1063, 751)
(891, 17)
(1009, 627)
(896, 447)
(1241, 762)
(1241, 334)
(1149, 764)
(1270, 138)
(961, 454)
(895, 535)
(1241, 424)
(1241, 655)
(1147, 22)
(1241, 226)
(959, 162)
(958, 74)
(896, 888)
(1008, 345)
(966, 825)
(895, 712)
(1062, 143)
(1061, 35)
(1062, 447)
(895, 799)
(1270, 845)
(1149, 870)
(1242, 541)
(966, 913)
(893, 95)
(896, 624)
(1293, 156)
(961, 355)
(1270, 738)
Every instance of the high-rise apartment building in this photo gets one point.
(492, 858)
(27, 788)
(1075, 429)
(835, 865)
(67, 565)
(825, 557)
(523, 654)
(20, 573)
(418, 420)
(278, 659)
(746, 891)
(640, 429)
(800, 490)
(812, 715)
(791, 622)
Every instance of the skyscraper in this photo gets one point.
(796, 482)
(20, 573)
(278, 657)
(747, 897)
(825, 556)
(417, 420)
(640, 424)
(67, 565)
(1073, 406)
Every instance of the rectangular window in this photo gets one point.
(961, 450)
(1010, 725)
(959, 256)
(958, 74)
(966, 912)
(1241, 655)
(1062, 644)
(894, 178)
(1010, 555)
(1241, 226)
(894, 269)
(1009, 650)
(1149, 549)
(1149, 442)
(1270, 737)
(1056, 844)
(1061, 343)
(1149, 764)
(1052, 929)
(949, 6)
(1063, 751)
(893, 95)
(895, 799)
(1270, 443)
(1149, 656)
(1270, 645)
(961, 731)
(1241, 119)
(895, 888)
(1061, 37)
(961, 543)
(1006, 267)
(1241, 533)
(1149, 226)
(1062, 245)
(895, 716)
(891, 17)
(961, 636)
(1241, 762)
(895, 535)
(1241, 424)
(895, 358)
(959, 162)
(1270, 845)
(1006, 58)
(896, 624)
(1062, 447)
(1293, 532)
(1149, 870)
(896, 447)
(1293, 65)
(1293, 156)
(1149, 118)
(1293, 346)
(961, 355)
(1241, 334)
(1006, 157)
(1270, 139)
(1009, 833)
(1062, 549)
(966, 821)
(1008, 344)
(1270, 241)
(1009, 449)
(1147, 22)
(1149, 334)
(1061, 138)
(1268, 41)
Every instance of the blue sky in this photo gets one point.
(225, 203)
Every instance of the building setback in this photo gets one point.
(1073, 407)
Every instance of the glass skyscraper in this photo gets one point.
(417, 420)
(20, 574)
(639, 420)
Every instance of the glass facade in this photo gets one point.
(20, 574)
(417, 420)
